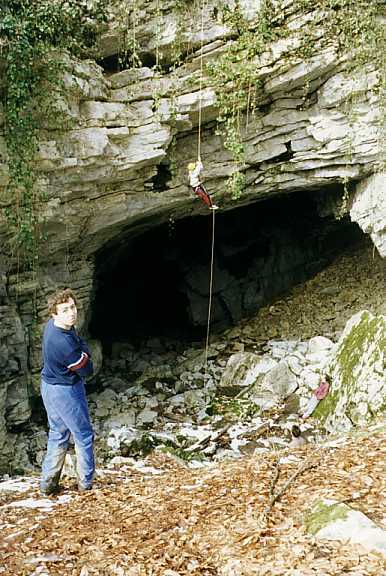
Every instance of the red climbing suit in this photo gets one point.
(203, 194)
(194, 177)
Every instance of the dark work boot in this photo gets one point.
(50, 489)
(50, 486)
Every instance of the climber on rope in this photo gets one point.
(194, 169)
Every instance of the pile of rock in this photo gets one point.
(196, 411)
(245, 403)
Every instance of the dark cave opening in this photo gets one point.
(110, 64)
(163, 176)
(124, 61)
(157, 284)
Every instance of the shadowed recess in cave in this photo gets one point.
(157, 284)
(124, 61)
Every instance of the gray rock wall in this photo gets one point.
(369, 209)
(14, 397)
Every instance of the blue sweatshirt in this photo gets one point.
(66, 357)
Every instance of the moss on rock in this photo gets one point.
(358, 389)
(323, 514)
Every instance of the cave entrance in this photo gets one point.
(157, 284)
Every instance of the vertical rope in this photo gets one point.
(210, 290)
(201, 82)
(213, 211)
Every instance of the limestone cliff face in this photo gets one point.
(369, 209)
(121, 168)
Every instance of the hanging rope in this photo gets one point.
(201, 83)
(210, 291)
(213, 211)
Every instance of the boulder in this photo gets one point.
(244, 369)
(280, 381)
(319, 344)
(270, 382)
(337, 521)
(358, 373)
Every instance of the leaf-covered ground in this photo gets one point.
(208, 521)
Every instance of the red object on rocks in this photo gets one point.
(322, 391)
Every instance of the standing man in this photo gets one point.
(66, 362)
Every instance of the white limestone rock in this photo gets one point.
(319, 354)
(192, 102)
(105, 403)
(146, 416)
(280, 381)
(264, 151)
(69, 467)
(244, 369)
(342, 85)
(358, 373)
(249, 8)
(296, 363)
(195, 399)
(126, 419)
(319, 344)
(122, 435)
(328, 126)
(130, 76)
(302, 72)
(310, 378)
(336, 521)
(368, 209)
(102, 113)
(170, 29)
(84, 143)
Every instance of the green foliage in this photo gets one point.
(238, 409)
(236, 184)
(182, 454)
(235, 79)
(127, 25)
(32, 34)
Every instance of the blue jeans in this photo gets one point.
(67, 413)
